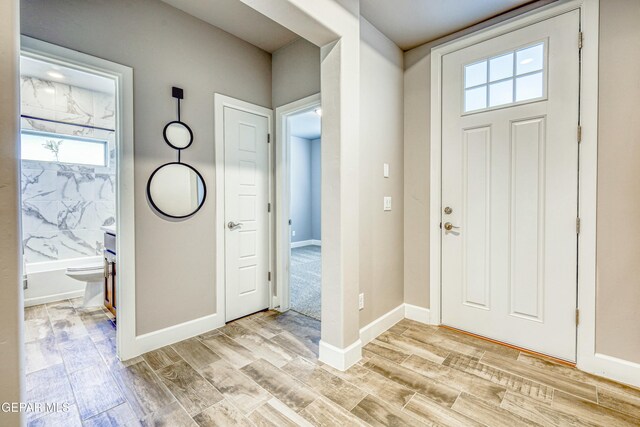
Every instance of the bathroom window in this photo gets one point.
(51, 147)
(510, 78)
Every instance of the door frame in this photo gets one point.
(283, 195)
(589, 22)
(127, 345)
(220, 102)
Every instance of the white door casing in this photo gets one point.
(246, 198)
(283, 194)
(510, 176)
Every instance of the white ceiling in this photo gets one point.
(55, 73)
(410, 23)
(237, 18)
(305, 125)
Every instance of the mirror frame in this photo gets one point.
(164, 134)
(204, 187)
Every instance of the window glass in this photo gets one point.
(509, 78)
(475, 74)
(529, 87)
(530, 59)
(501, 93)
(501, 67)
(48, 147)
(475, 99)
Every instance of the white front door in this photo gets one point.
(509, 187)
(246, 178)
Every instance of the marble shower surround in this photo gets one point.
(64, 205)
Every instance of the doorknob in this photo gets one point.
(233, 225)
(448, 226)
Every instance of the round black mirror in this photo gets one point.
(178, 135)
(176, 190)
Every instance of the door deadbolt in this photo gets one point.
(448, 210)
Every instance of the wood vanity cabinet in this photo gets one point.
(110, 273)
(110, 285)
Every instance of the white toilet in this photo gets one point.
(93, 275)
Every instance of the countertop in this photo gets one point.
(111, 229)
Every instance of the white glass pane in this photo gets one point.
(59, 148)
(529, 87)
(475, 99)
(530, 59)
(501, 93)
(475, 74)
(501, 67)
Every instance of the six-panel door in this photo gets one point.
(246, 162)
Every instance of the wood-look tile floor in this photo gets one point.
(263, 371)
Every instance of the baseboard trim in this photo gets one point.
(28, 302)
(303, 243)
(340, 358)
(613, 368)
(369, 332)
(419, 314)
(156, 339)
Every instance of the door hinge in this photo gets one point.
(268, 138)
(577, 316)
(579, 134)
(577, 225)
(268, 207)
(269, 276)
(580, 40)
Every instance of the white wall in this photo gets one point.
(300, 207)
(295, 72)
(11, 338)
(417, 117)
(316, 175)
(381, 141)
(618, 234)
(165, 47)
(617, 315)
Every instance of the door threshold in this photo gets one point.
(247, 315)
(515, 347)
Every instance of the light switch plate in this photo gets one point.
(387, 203)
(386, 170)
(361, 301)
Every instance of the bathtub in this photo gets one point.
(46, 281)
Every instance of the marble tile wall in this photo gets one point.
(64, 205)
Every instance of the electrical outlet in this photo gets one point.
(361, 301)
(387, 203)
(293, 233)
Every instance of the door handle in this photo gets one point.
(233, 225)
(448, 226)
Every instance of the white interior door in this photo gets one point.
(509, 187)
(246, 163)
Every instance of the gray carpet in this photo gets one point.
(305, 283)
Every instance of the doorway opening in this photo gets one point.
(299, 210)
(69, 214)
(76, 192)
(305, 277)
